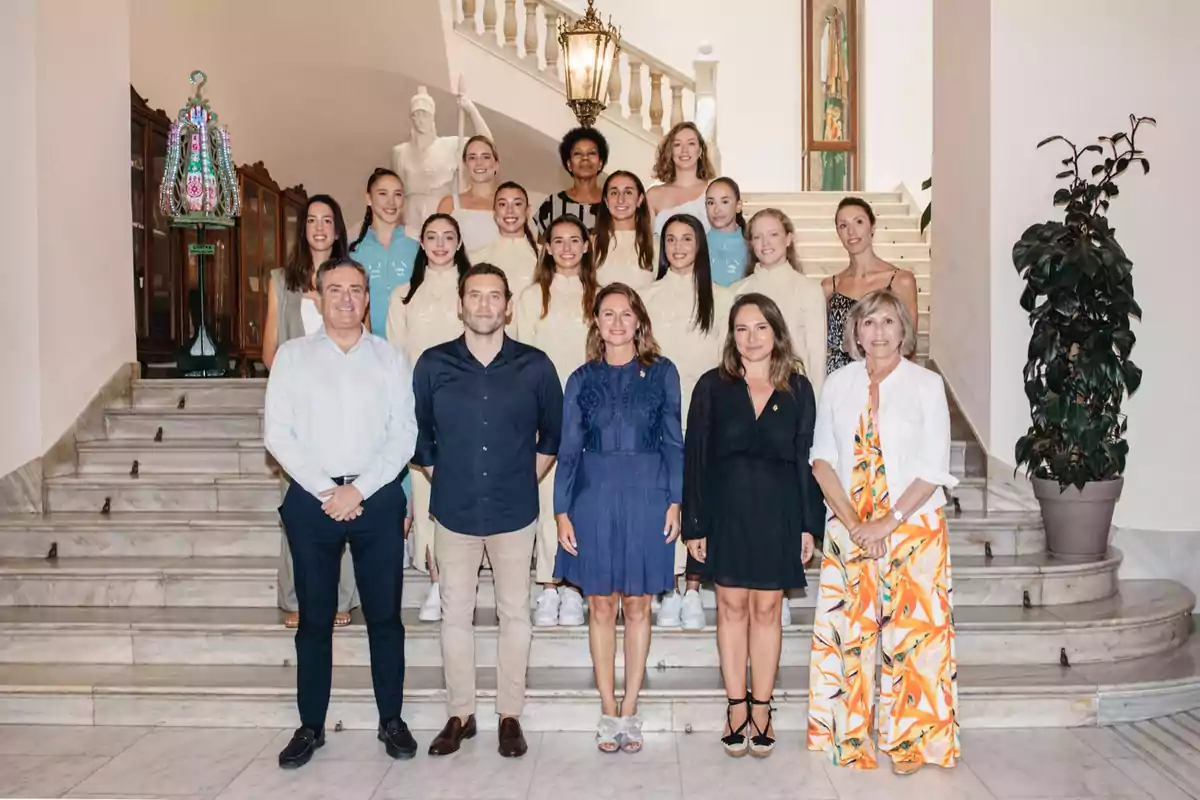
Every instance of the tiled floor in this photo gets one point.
(180, 764)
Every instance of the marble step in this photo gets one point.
(888, 251)
(198, 393)
(565, 699)
(178, 492)
(1033, 580)
(248, 457)
(256, 534)
(231, 456)
(806, 217)
(1146, 617)
(813, 206)
(969, 495)
(762, 199)
(177, 534)
(828, 236)
(144, 423)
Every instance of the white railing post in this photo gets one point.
(551, 44)
(468, 21)
(531, 31)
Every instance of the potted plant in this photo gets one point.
(1079, 296)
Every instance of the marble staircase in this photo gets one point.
(146, 597)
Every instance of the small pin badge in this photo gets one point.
(774, 408)
(642, 373)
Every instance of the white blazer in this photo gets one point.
(914, 427)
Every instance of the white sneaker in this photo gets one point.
(570, 610)
(787, 612)
(431, 611)
(545, 614)
(668, 612)
(692, 613)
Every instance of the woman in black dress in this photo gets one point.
(751, 505)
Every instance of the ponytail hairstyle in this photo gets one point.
(701, 270)
(543, 274)
(461, 262)
(643, 222)
(740, 219)
(299, 272)
(369, 218)
(528, 233)
(788, 229)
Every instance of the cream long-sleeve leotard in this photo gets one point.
(802, 303)
(621, 263)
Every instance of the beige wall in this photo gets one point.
(20, 400)
(67, 313)
(85, 253)
(1009, 64)
(758, 80)
(896, 94)
(960, 325)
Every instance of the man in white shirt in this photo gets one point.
(340, 421)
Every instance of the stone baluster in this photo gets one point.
(510, 26)
(551, 44)
(614, 85)
(705, 67)
(531, 31)
(489, 18)
(468, 21)
(676, 103)
(635, 91)
(656, 103)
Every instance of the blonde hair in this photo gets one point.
(664, 162)
(479, 137)
(643, 339)
(788, 229)
(872, 302)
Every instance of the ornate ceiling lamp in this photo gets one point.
(589, 52)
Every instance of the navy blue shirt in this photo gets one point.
(481, 429)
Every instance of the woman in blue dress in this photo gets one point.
(617, 496)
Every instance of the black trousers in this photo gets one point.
(376, 542)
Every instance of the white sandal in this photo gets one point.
(631, 734)
(608, 734)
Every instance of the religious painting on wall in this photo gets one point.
(831, 95)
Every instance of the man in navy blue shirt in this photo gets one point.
(489, 416)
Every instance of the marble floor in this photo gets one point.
(178, 763)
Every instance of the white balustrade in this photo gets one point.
(526, 32)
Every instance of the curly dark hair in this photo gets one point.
(577, 135)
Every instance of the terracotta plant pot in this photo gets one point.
(1077, 522)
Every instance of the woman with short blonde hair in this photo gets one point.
(881, 454)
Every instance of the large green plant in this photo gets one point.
(1079, 295)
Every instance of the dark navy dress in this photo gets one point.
(620, 464)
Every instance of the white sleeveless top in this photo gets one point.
(697, 207)
(310, 315)
(478, 227)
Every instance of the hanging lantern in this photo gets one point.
(589, 50)
(199, 185)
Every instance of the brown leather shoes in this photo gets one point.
(512, 740)
(451, 737)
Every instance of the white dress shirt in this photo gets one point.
(331, 413)
(914, 427)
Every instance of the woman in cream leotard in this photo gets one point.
(623, 242)
(423, 313)
(553, 315)
(684, 167)
(689, 312)
(515, 250)
(481, 163)
(777, 274)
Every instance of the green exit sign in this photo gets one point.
(202, 249)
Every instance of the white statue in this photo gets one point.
(428, 163)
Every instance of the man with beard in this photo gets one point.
(584, 153)
(339, 420)
(489, 416)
